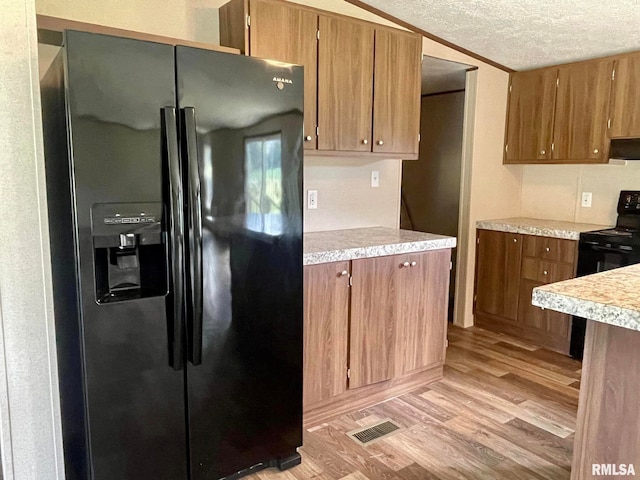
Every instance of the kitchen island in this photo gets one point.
(608, 426)
(375, 313)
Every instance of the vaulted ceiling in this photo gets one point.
(524, 34)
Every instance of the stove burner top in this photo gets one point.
(619, 232)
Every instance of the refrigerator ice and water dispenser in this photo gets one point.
(129, 251)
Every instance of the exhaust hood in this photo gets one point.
(625, 149)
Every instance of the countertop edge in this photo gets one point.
(329, 256)
(500, 226)
(591, 310)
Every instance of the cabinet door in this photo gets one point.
(625, 98)
(396, 96)
(374, 311)
(498, 260)
(326, 330)
(530, 120)
(543, 326)
(582, 105)
(345, 84)
(422, 320)
(287, 33)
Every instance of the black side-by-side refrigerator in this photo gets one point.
(174, 192)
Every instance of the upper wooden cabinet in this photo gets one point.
(362, 80)
(532, 97)
(625, 98)
(559, 114)
(396, 100)
(280, 32)
(345, 84)
(582, 104)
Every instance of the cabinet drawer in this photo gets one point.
(544, 271)
(547, 248)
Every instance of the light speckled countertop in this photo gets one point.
(340, 245)
(543, 228)
(608, 297)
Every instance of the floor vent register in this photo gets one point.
(375, 432)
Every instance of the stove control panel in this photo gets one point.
(629, 202)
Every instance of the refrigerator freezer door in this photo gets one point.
(245, 397)
(134, 398)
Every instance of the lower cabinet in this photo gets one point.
(508, 267)
(326, 330)
(374, 328)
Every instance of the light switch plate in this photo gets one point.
(586, 199)
(312, 199)
(375, 178)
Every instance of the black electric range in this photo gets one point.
(607, 249)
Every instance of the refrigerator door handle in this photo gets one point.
(195, 235)
(175, 309)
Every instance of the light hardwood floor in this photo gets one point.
(505, 410)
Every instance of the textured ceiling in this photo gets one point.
(442, 75)
(522, 34)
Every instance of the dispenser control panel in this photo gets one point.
(117, 220)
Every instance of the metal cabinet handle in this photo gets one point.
(344, 273)
(413, 264)
(595, 150)
(543, 152)
(515, 240)
(380, 142)
(365, 141)
(308, 138)
(545, 272)
(405, 264)
(547, 249)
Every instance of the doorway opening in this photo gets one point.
(433, 186)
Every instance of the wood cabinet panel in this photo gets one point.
(233, 30)
(274, 21)
(374, 312)
(545, 271)
(396, 96)
(326, 330)
(531, 113)
(547, 248)
(625, 98)
(499, 256)
(422, 320)
(543, 326)
(582, 107)
(501, 267)
(345, 84)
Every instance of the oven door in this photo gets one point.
(594, 258)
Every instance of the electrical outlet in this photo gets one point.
(312, 199)
(375, 178)
(586, 199)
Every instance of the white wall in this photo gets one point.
(345, 196)
(30, 435)
(554, 191)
